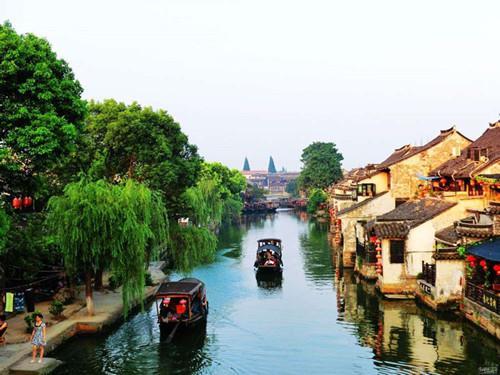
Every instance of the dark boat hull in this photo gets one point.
(183, 325)
(269, 270)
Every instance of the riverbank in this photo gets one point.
(108, 311)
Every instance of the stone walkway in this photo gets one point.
(108, 310)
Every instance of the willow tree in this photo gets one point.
(101, 225)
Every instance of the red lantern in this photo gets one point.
(460, 183)
(17, 203)
(443, 181)
(482, 263)
(27, 202)
(373, 239)
(472, 182)
(435, 184)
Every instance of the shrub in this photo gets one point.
(56, 308)
(316, 197)
(30, 320)
(114, 282)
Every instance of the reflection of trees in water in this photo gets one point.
(316, 252)
(257, 221)
(230, 237)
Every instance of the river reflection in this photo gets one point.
(317, 319)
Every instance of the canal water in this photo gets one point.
(316, 320)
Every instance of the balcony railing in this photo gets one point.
(429, 273)
(483, 297)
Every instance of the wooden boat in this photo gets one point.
(269, 280)
(269, 255)
(181, 303)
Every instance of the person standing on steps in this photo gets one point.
(38, 338)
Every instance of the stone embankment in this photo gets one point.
(14, 357)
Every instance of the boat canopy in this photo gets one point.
(187, 286)
(269, 241)
(267, 247)
(489, 249)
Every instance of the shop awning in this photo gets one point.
(489, 249)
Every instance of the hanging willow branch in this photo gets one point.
(120, 227)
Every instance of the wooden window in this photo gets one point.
(366, 190)
(397, 251)
(476, 154)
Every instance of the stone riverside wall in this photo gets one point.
(482, 317)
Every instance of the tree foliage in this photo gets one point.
(253, 193)
(98, 224)
(129, 141)
(41, 114)
(192, 245)
(322, 166)
(216, 198)
(292, 188)
(4, 229)
(316, 197)
(28, 247)
(217, 195)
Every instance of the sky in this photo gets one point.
(268, 77)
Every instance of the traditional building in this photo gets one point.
(401, 175)
(274, 183)
(473, 283)
(474, 174)
(405, 239)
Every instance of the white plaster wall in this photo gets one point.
(392, 272)
(419, 247)
(448, 276)
(381, 181)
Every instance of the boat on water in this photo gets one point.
(260, 207)
(269, 256)
(181, 304)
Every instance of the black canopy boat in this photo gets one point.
(181, 303)
(268, 258)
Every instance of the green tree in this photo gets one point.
(292, 188)
(4, 229)
(246, 165)
(216, 198)
(316, 198)
(128, 141)
(98, 224)
(217, 195)
(41, 115)
(271, 168)
(253, 193)
(322, 166)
